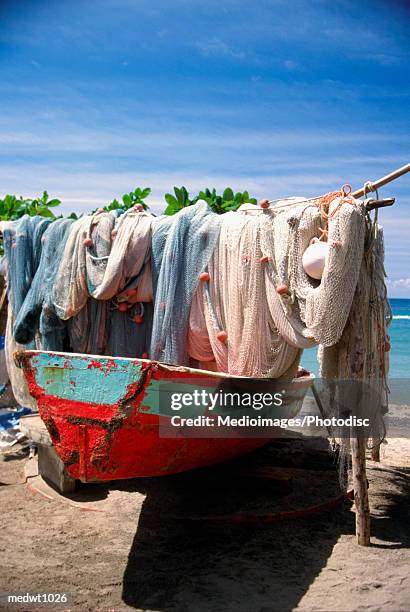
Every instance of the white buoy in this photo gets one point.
(314, 258)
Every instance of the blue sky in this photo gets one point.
(279, 97)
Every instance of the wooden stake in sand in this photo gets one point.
(361, 496)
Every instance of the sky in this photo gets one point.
(277, 97)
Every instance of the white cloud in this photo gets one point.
(219, 48)
(400, 283)
(65, 136)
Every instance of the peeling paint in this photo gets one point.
(103, 417)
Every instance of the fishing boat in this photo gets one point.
(108, 419)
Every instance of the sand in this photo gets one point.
(138, 547)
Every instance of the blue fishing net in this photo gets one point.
(89, 329)
(22, 249)
(37, 312)
(181, 248)
(130, 332)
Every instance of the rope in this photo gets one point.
(323, 203)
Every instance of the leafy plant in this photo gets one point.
(12, 208)
(219, 203)
(135, 197)
(227, 201)
(41, 206)
(179, 201)
(129, 200)
(114, 205)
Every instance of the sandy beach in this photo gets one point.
(143, 545)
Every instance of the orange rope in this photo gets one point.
(323, 203)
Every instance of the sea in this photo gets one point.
(399, 332)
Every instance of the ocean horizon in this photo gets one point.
(399, 332)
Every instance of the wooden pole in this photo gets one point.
(372, 186)
(361, 496)
(375, 450)
(383, 181)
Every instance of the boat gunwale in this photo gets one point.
(18, 355)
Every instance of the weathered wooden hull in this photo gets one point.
(103, 415)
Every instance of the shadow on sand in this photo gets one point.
(177, 563)
(391, 512)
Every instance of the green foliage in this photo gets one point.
(135, 197)
(179, 201)
(227, 201)
(114, 205)
(219, 203)
(12, 208)
(130, 199)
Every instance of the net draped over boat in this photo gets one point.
(114, 266)
(38, 312)
(224, 292)
(256, 252)
(181, 248)
(22, 241)
(22, 248)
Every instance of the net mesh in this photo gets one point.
(257, 252)
(228, 292)
(234, 301)
(22, 249)
(37, 312)
(181, 248)
(95, 277)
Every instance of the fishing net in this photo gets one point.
(129, 335)
(240, 323)
(360, 359)
(16, 375)
(107, 258)
(230, 292)
(311, 311)
(88, 329)
(22, 250)
(71, 289)
(37, 312)
(234, 302)
(328, 306)
(181, 248)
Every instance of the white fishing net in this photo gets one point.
(16, 374)
(328, 305)
(235, 302)
(230, 291)
(239, 323)
(363, 349)
(114, 264)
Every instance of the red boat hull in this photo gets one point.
(103, 419)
